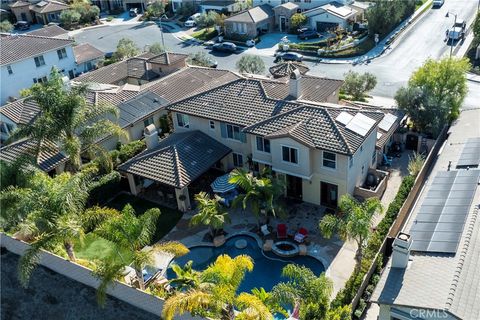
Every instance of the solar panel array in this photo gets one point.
(439, 223)
(344, 118)
(387, 122)
(360, 124)
(470, 156)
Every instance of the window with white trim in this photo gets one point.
(237, 159)
(263, 144)
(40, 80)
(183, 120)
(289, 154)
(212, 124)
(329, 160)
(9, 69)
(62, 53)
(148, 122)
(39, 61)
(233, 132)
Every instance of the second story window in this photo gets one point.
(39, 61)
(62, 53)
(40, 80)
(290, 154)
(148, 122)
(329, 160)
(212, 124)
(263, 144)
(182, 120)
(233, 132)
(230, 131)
(9, 69)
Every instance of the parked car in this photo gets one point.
(309, 34)
(455, 34)
(225, 47)
(303, 29)
(189, 23)
(437, 3)
(289, 56)
(133, 12)
(460, 24)
(22, 25)
(211, 63)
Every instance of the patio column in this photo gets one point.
(183, 199)
(131, 183)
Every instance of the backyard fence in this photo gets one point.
(119, 290)
(403, 213)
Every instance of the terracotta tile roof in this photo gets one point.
(253, 15)
(48, 159)
(46, 6)
(86, 52)
(21, 112)
(177, 160)
(284, 69)
(20, 47)
(19, 4)
(172, 57)
(49, 31)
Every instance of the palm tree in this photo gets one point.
(186, 277)
(68, 119)
(356, 222)
(311, 292)
(262, 194)
(134, 233)
(216, 295)
(210, 213)
(47, 212)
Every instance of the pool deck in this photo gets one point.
(338, 257)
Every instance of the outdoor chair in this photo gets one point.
(282, 231)
(387, 161)
(265, 230)
(301, 235)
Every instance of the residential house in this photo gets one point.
(331, 16)
(27, 59)
(16, 114)
(283, 13)
(285, 69)
(21, 11)
(86, 57)
(42, 12)
(303, 5)
(223, 6)
(250, 23)
(177, 4)
(52, 31)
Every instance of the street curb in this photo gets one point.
(473, 77)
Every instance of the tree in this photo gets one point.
(358, 85)
(355, 222)
(6, 26)
(132, 234)
(156, 9)
(185, 277)
(251, 64)
(340, 313)
(87, 11)
(156, 48)
(262, 194)
(210, 213)
(297, 20)
(69, 17)
(200, 58)
(186, 10)
(207, 20)
(476, 30)
(69, 120)
(216, 297)
(16, 173)
(126, 48)
(312, 293)
(384, 16)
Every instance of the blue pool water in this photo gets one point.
(266, 273)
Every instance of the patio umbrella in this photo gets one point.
(221, 184)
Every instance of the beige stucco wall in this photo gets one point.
(282, 11)
(166, 69)
(18, 13)
(362, 158)
(303, 169)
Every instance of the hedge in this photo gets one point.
(127, 151)
(105, 188)
(346, 295)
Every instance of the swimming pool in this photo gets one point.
(267, 271)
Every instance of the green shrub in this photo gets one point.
(105, 188)
(129, 150)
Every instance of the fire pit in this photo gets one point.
(285, 249)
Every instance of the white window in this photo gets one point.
(62, 53)
(233, 132)
(39, 61)
(237, 159)
(40, 80)
(329, 160)
(289, 154)
(9, 69)
(263, 144)
(182, 120)
(212, 125)
(148, 122)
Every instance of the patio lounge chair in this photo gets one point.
(282, 231)
(265, 230)
(301, 235)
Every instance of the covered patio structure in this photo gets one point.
(174, 162)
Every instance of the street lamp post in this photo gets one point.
(454, 24)
(163, 39)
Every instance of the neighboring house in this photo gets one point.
(27, 59)
(52, 31)
(86, 57)
(222, 6)
(16, 114)
(21, 10)
(331, 16)
(285, 69)
(283, 13)
(303, 5)
(42, 12)
(177, 4)
(250, 23)
(361, 8)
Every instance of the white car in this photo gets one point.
(190, 23)
(437, 3)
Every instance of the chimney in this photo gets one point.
(151, 136)
(401, 250)
(295, 84)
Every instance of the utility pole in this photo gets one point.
(163, 40)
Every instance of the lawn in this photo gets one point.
(168, 218)
(96, 248)
(205, 34)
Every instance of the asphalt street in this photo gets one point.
(425, 39)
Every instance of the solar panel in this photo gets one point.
(470, 156)
(360, 124)
(439, 223)
(344, 118)
(387, 122)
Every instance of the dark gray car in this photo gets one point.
(225, 47)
